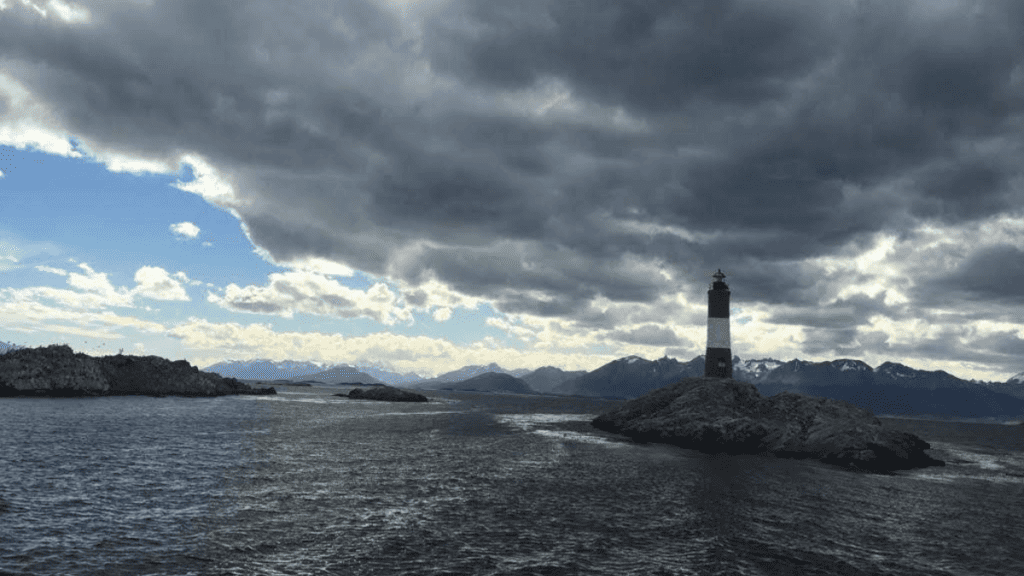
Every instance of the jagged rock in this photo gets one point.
(58, 371)
(50, 371)
(385, 393)
(721, 415)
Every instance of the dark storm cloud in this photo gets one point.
(994, 274)
(774, 131)
(646, 55)
(843, 314)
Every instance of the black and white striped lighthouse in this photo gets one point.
(718, 359)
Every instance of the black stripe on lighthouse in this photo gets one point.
(718, 359)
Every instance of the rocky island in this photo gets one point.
(722, 415)
(58, 371)
(384, 393)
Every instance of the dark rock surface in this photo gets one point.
(385, 393)
(59, 371)
(721, 415)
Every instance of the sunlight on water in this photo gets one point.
(466, 484)
(533, 423)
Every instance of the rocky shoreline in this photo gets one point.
(58, 371)
(721, 415)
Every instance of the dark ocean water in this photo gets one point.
(306, 483)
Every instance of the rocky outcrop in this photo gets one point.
(59, 371)
(385, 393)
(50, 371)
(721, 415)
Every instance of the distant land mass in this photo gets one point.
(465, 373)
(5, 347)
(630, 377)
(263, 369)
(548, 378)
(298, 370)
(341, 374)
(59, 371)
(490, 382)
(889, 389)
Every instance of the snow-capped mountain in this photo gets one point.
(388, 376)
(754, 368)
(5, 347)
(631, 376)
(263, 369)
(295, 369)
(896, 374)
(1016, 379)
(896, 371)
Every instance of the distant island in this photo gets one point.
(58, 371)
(385, 394)
(889, 389)
(722, 415)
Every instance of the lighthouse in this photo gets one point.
(718, 359)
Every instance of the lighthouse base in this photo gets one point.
(718, 363)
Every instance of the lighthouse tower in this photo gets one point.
(718, 360)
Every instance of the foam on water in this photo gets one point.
(539, 424)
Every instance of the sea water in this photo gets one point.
(308, 483)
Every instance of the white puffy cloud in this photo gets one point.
(97, 283)
(306, 292)
(186, 229)
(212, 184)
(157, 284)
(66, 311)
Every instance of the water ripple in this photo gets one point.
(472, 485)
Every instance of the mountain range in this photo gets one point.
(465, 373)
(890, 388)
(490, 382)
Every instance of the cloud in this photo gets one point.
(649, 334)
(185, 229)
(51, 270)
(994, 273)
(157, 284)
(429, 356)
(66, 311)
(572, 164)
(312, 293)
(97, 283)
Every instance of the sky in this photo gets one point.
(429, 184)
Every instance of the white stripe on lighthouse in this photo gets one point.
(718, 333)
